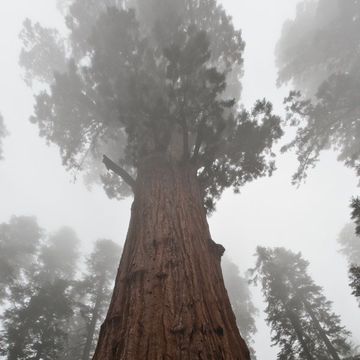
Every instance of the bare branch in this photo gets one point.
(199, 139)
(110, 165)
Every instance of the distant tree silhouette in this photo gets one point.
(241, 302)
(301, 319)
(355, 281)
(94, 290)
(150, 87)
(318, 53)
(350, 244)
(35, 324)
(50, 313)
(19, 242)
(355, 215)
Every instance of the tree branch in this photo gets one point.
(110, 165)
(199, 139)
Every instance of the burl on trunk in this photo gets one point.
(169, 300)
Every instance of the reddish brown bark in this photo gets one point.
(169, 300)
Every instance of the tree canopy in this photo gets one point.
(350, 244)
(19, 242)
(355, 281)
(49, 310)
(318, 53)
(301, 319)
(40, 301)
(355, 214)
(138, 78)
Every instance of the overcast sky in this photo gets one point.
(268, 212)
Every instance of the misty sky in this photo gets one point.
(268, 212)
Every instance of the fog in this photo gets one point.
(269, 212)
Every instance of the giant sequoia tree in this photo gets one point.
(151, 87)
(301, 319)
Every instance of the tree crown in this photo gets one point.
(134, 82)
(318, 52)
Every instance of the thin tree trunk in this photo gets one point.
(169, 300)
(299, 332)
(38, 355)
(320, 330)
(92, 325)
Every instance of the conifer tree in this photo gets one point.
(301, 319)
(350, 244)
(355, 281)
(355, 269)
(19, 242)
(318, 54)
(35, 324)
(151, 86)
(241, 302)
(95, 289)
(350, 240)
(355, 215)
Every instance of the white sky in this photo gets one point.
(268, 212)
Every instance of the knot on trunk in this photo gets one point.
(217, 249)
(178, 329)
(134, 275)
(219, 331)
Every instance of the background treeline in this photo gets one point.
(54, 300)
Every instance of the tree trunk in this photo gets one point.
(300, 334)
(93, 323)
(320, 330)
(295, 322)
(169, 300)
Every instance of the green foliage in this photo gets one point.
(42, 54)
(350, 244)
(318, 53)
(322, 40)
(59, 255)
(299, 314)
(35, 323)
(355, 215)
(19, 242)
(355, 281)
(150, 77)
(351, 241)
(49, 312)
(241, 301)
(94, 292)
